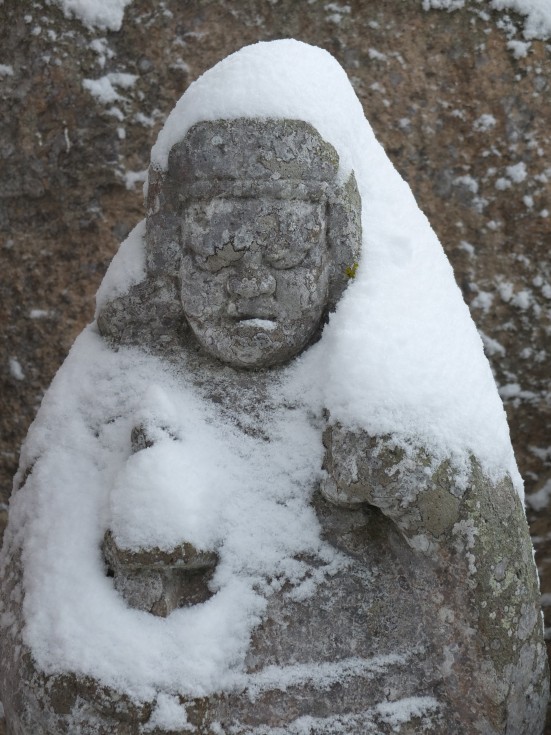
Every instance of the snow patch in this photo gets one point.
(126, 269)
(484, 122)
(517, 173)
(16, 371)
(103, 14)
(131, 178)
(168, 714)
(103, 89)
(404, 710)
(502, 184)
(468, 182)
(537, 13)
(491, 346)
(519, 48)
(540, 500)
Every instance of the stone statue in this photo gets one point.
(410, 603)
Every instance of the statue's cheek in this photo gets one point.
(202, 293)
(301, 289)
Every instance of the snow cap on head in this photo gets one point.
(269, 80)
(401, 355)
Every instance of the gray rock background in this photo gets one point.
(70, 189)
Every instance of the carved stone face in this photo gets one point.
(251, 222)
(254, 276)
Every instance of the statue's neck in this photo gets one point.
(244, 395)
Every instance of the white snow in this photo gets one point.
(519, 48)
(101, 48)
(324, 674)
(131, 178)
(537, 13)
(510, 390)
(491, 346)
(168, 714)
(518, 172)
(394, 712)
(468, 247)
(540, 499)
(402, 711)
(523, 299)
(502, 183)
(484, 122)
(448, 5)
(400, 356)
(468, 182)
(126, 269)
(268, 324)
(375, 55)
(6, 70)
(103, 89)
(103, 14)
(16, 370)
(505, 290)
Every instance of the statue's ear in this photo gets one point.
(149, 313)
(344, 235)
(163, 237)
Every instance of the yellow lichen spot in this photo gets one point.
(351, 270)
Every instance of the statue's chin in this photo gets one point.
(252, 343)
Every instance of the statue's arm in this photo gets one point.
(406, 485)
(474, 531)
(425, 498)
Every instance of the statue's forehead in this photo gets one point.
(261, 151)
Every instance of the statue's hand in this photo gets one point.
(407, 485)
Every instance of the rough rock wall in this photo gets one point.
(464, 115)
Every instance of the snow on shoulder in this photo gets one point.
(401, 355)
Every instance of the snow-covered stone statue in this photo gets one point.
(271, 490)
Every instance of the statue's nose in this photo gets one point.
(251, 283)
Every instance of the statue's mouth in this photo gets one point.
(257, 323)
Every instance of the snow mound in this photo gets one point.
(401, 355)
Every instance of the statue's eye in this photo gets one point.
(284, 255)
(219, 258)
(208, 264)
(298, 231)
